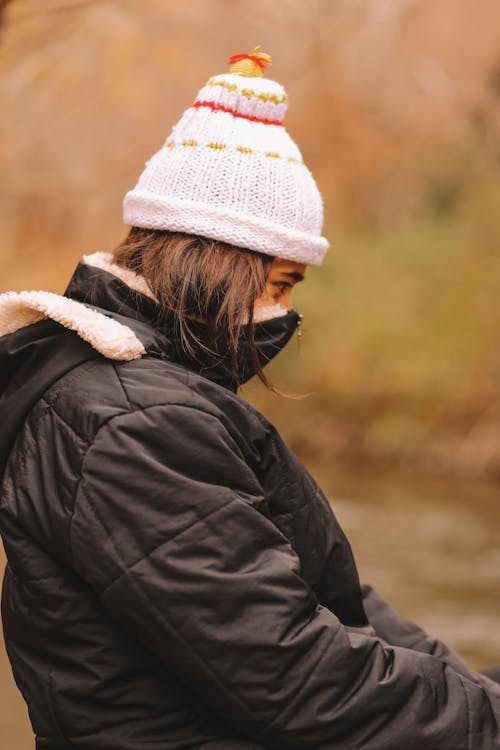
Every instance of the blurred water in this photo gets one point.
(431, 548)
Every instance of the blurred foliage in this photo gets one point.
(395, 104)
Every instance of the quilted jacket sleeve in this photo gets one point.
(170, 529)
(398, 631)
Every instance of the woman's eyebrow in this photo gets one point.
(295, 275)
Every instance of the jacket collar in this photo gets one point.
(114, 310)
(124, 297)
(110, 337)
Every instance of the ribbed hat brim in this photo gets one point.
(146, 210)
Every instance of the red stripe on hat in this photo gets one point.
(220, 108)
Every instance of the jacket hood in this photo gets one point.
(106, 311)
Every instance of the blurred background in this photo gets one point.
(396, 107)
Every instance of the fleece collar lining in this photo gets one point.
(104, 261)
(106, 335)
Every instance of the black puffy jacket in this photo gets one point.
(176, 579)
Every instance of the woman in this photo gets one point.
(176, 578)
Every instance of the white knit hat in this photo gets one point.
(230, 171)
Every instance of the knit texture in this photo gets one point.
(230, 171)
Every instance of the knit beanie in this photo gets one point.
(230, 171)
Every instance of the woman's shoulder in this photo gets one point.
(99, 390)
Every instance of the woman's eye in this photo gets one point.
(282, 285)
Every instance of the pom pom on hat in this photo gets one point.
(230, 171)
(250, 65)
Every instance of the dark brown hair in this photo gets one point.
(197, 279)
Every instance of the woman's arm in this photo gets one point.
(170, 530)
(397, 631)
